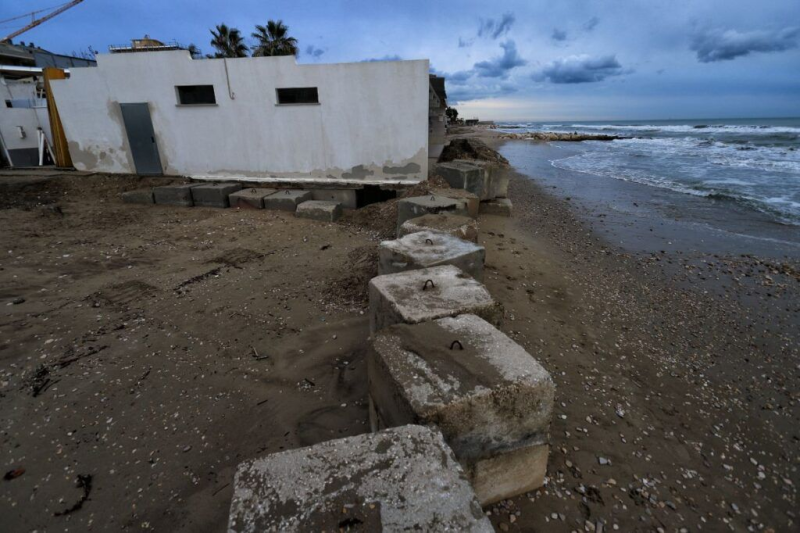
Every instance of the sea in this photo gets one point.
(714, 171)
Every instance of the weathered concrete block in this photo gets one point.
(317, 210)
(463, 174)
(427, 294)
(414, 207)
(213, 194)
(473, 202)
(286, 200)
(497, 176)
(462, 227)
(403, 479)
(491, 399)
(499, 206)
(425, 249)
(252, 198)
(346, 197)
(174, 194)
(143, 196)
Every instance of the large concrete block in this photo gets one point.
(286, 200)
(425, 249)
(414, 207)
(491, 399)
(346, 197)
(143, 196)
(403, 479)
(427, 294)
(463, 174)
(462, 227)
(497, 176)
(501, 207)
(317, 210)
(252, 198)
(174, 194)
(213, 194)
(473, 202)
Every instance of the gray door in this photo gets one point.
(141, 138)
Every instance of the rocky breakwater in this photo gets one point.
(548, 136)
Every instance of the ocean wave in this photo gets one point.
(688, 128)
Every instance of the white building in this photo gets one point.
(264, 119)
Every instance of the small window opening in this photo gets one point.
(196, 94)
(298, 95)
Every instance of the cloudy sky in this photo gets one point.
(506, 60)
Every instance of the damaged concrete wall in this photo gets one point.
(370, 125)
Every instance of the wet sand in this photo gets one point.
(177, 342)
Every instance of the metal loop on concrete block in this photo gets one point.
(424, 287)
(460, 346)
(428, 241)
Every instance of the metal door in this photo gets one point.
(141, 139)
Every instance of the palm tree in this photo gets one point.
(228, 42)
(273, 40)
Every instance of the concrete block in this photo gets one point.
(500, 207)
(425, 249)
(317, 210)
(463, 174)
(497, 176)
(174, 194)
(414, 207)
(473, 202)
(143, 196)
(492, 401)
(403, 479)
(213, 194)
(249, 198)
(427, 294)
(346, 197)
(462, 227)
(286, 200)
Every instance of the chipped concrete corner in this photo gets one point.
(368, 127)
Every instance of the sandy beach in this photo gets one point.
(147, 350)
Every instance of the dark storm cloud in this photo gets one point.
(462, 93)
(314, 52)
(715, 44)
(590, 24)
(499, 67)
(580, 69)
(496, 28)
(559, 35)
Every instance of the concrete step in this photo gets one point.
(286, 200)
(491, 399)
(319, 210)
(180, 195)
(427, 294)
(417, 206)
(251, 198)
(425, 249)
(213, 194)
(402, 479)
(462, 227)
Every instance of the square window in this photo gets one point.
(298, 95)
(196, 94)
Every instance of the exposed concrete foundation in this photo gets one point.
(144, 196)
(286, 200)
(427, 294)
(473, 202)
(213, 195)
(317, 210)
(425, 249)
(491, 399)
(252, 198)
(403, 479)
(464, 175)
(462, 227)
(414, 207)
(180, 195)
(346, 197)
(501, 207)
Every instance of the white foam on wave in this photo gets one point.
(685, 128)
